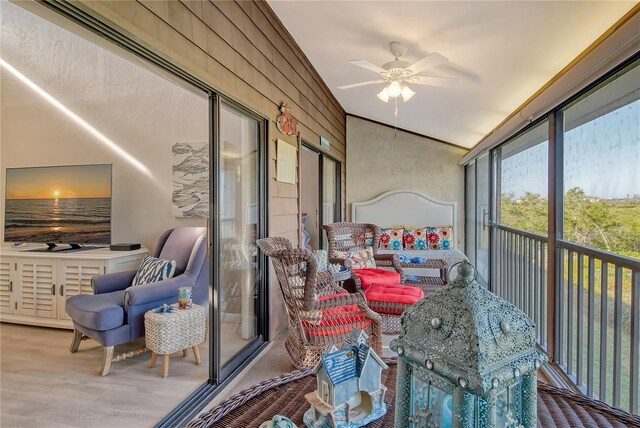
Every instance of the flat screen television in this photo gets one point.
(58, 205)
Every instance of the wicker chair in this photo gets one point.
(320, 313)
(357, 236)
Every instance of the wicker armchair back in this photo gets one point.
(320, 313)
(349, 237)
(345, 236)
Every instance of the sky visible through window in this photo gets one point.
(602, 157)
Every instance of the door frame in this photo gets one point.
(338, 210)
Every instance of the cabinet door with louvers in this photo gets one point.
(75, 278)
(35, 281)
(6, 287)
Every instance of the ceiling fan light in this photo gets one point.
(407, 93)
(384, 95)
(394, 89)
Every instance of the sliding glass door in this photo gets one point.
(478, 216)
(482, 218)
(319, 195)
(240, 210)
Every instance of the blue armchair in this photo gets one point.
(114, 314)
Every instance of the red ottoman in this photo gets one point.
(390, 301)
(371, 276)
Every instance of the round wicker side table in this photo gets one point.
(166, 333)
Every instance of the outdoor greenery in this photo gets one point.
(609, 225)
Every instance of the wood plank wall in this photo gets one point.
(242, 50)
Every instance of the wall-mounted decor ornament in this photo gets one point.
(190, 177)
(286, 123)
(350, 392)
(467, 358)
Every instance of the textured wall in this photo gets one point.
(142, 113)
(380, 160)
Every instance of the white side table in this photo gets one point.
(166, 333)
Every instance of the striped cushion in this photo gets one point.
(153, 270)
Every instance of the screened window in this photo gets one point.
(602, 167)
(523, 181)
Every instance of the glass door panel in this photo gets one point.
(470, 212)
(310, 198)
(482, 219)
(330, 195)
(238, 185)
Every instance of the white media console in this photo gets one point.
(34, 286)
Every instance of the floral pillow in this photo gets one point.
(440, 237)
(363, 238)
(361, 259)
(415, 238)
(391, 238)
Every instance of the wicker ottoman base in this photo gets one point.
(166, 333)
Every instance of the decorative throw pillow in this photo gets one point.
(415, 238)
(391, 238)
(440, 237)
(361, 259)
(363, 238)
(153, 269)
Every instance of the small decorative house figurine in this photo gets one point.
(350, 393)
(467, 358)
(278, 421)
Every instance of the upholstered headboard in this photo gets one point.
(404, 207)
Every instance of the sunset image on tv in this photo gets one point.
(61, 204)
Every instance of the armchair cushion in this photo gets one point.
(98, 312)
(153, 269)
(339, 321)
(368, 277)
(162, 290)
(112, 281)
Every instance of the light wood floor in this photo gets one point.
(43, 385)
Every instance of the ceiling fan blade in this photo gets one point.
(432, 81)
(428, 61)
(355, 85)
(369, 66)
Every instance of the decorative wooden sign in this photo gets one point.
(287, 124)
(286, 162)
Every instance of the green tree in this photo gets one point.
(527, 213)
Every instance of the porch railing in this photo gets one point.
(596, 333)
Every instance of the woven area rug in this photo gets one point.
(284, 395)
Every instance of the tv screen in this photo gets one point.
(58, 204)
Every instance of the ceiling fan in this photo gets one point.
(398, 73)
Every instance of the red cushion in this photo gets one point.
(343, 319)
(370, 276)
(331, 296)
(404, 294)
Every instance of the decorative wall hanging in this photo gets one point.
(286, 162)
(286, 123)
(190, 177)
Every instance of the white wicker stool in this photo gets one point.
(166, 333)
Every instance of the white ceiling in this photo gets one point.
(501, 53)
